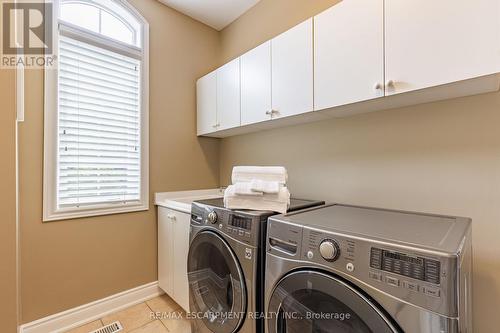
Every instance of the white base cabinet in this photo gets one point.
(173, 248)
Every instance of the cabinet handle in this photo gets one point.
(378, 86)
(389, 84)
(171, 217)
(269, 113)
(216, 125)
(274, 111)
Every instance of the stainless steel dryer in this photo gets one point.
(226, 266)
(342, 268)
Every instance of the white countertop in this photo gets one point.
(181, 200)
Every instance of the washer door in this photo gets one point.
(216, 284)
(314, 302)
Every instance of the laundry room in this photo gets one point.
(251, 166)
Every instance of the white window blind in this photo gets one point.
(98, 159)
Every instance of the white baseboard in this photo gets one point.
(83, 314)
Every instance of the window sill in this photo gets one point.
(68, 214)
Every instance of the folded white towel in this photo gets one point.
(261, 186)
(246, 189)
(278, 202)
(238, 202)
(283, 195)
(265, 173)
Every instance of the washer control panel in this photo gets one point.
(236, 225)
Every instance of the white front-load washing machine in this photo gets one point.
(341, 268)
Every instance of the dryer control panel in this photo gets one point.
(415, 267)
(418, 277)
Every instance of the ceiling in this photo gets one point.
(215, 13)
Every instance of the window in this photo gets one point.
(96, 111)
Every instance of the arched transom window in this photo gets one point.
(103, 17)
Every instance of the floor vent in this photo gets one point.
(111, 328)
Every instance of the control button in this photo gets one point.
(432, 271)
(221, 226)
(212, 217)
(247, 234)
(350, 267)
(310, 254)
(392, 281)
(248, 253)
(329, 250)
(430, 291)
(376, 258)
(411, 286)
(229, 229)
(241, 233)
(375, 276)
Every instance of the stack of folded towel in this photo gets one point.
(258, 188)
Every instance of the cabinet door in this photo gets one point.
(256, 84)
(165, 251)
(181, 247)
(206, 103)
(228, 95)
(349, 53)
(292, 71)
(429, 43)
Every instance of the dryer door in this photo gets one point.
(314, 302)
(216, 283)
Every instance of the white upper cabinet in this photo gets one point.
(292, 71)
(349, 53)
(256, 85)
(429, 43)
(206, 103)
(228, 95)
(351, 58)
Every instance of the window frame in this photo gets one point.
(51, 112)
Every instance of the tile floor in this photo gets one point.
(141, 318)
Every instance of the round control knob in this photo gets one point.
(329, 250)
(212, 217)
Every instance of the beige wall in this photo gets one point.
(8, 305)
(69, 263)
(265, 20)
(441, 157)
